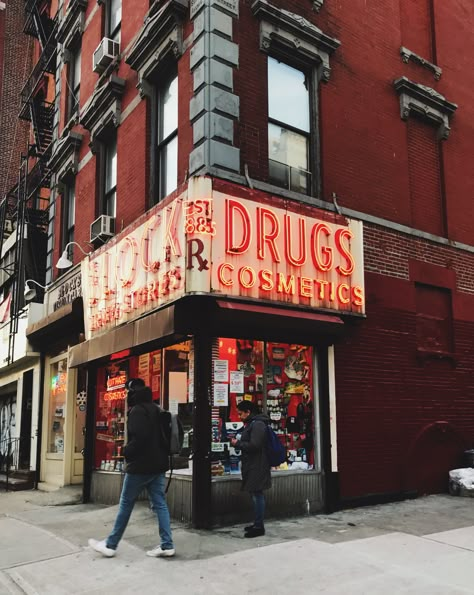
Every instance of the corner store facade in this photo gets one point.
(212, 298)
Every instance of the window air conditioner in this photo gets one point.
(102, 228)
(106, 51)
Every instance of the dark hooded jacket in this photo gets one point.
(256, 474)
(145, 452)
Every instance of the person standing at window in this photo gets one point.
(256, 475)
(147, 461)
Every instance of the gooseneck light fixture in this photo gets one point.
(30, 292)
(64, 262)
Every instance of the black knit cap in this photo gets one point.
(134, 384)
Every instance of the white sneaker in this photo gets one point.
(101, 547)
(157, 552)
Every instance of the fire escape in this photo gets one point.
(24, 211)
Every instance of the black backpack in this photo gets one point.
(171, 433)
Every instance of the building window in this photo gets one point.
(110, 176)
(57, 407)
(288, 127)
(69, 216)
(279, 378)
(50, 243)
(74, 83)
(167, 137)
(434, 323)
(113, 19)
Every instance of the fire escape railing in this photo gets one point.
(37, 23)
(45, 64)
(25, 205)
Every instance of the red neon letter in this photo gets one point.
(129, 243)
(286, 285)
(340, 297)
(252, 277)
(322, 255)
(297, 262)
(357, 295)
(233, 206)
(145, 244)
(267, 237)
(220, 273)
(306, 287)
(341, 235)
(266, 281)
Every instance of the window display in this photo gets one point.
(57, 406)
(110, 416)
(167, 373)
(278, 377)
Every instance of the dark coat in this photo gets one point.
(144, 452)
(256, 474)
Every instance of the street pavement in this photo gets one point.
(416, 547)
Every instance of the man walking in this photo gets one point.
(256, 473)
(147, 459)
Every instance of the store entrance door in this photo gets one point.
(78, 406)
(25, 430)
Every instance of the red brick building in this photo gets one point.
(310, 123)
(15, 64)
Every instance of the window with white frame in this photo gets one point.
(74, 82)
(289, 128)
(69, 215)
(167, 136)
(110, 176)
(113, 19)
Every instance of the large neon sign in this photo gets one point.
(207, 242)
(274, 253)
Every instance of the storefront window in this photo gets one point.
(57, 406)
(166, 372)
(278, 377)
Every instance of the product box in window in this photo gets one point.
(234, 430)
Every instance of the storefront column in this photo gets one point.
(90, 432)
(201, 494)
(327, 388)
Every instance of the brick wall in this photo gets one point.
(15, 65)
(397, 408)
(391, 396)
(424, 168)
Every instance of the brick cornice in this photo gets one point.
(160, 34)
(103, 109)
(416, 99)
(71, 27)
(65, 158)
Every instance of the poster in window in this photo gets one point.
(221, 370)
(221, 394)
(144, 368)
(237, 381)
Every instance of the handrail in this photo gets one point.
(9, 456)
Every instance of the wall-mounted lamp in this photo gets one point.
(30, 292)
(64, 262)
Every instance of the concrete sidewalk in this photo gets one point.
(418, 546)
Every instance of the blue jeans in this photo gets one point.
(259, 507)
(132, 486)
